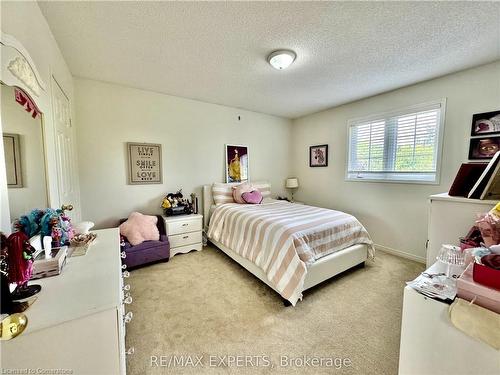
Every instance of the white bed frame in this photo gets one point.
(317, 272)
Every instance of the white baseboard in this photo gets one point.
(400, 253)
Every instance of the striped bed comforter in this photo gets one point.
(283, 238)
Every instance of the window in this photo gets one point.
(402, 146)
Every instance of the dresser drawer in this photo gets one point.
(183, 226)
(185, 239)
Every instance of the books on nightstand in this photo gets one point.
(44, 266)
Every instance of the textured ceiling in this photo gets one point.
(216, 52)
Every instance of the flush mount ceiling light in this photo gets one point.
(281, 59)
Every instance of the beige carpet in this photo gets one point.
(205, 304)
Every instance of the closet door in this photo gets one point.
(67, 169)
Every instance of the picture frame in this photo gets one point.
(483, 148)
(13, 164)
(236, 163)
(318, 156)
(144, 163)
(486, 124)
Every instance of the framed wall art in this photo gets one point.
(144, 163)
(483, 148)
(12, 152)
(236, 163)
(318, 156)
(486, 124)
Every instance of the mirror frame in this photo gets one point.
(19, 70)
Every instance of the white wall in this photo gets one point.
(33, 193)
(25, 22)
(394, 214)
(192, 135)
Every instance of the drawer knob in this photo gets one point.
(128, 317)
(185, 224)
(124, 266)
(130, 351)
(126, 287)
(128, 300)
(126, 274)
(185, 237)
(123, 254)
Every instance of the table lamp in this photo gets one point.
(292, 183)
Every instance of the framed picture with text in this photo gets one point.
(144, 163)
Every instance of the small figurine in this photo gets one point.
(20, 259)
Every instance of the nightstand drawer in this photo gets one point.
(185, 239)
(183, 226)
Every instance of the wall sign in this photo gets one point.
(144, 163)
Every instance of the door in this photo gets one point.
(67, 171)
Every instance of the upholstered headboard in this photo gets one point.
(208, 202)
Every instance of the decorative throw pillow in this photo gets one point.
(139, 228)
(222, 193)
(252, 197)
(264, 187)
(238, 190)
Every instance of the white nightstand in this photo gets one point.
(184, 233)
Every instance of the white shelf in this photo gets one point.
(446, 197)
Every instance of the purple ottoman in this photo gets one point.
(147, 252)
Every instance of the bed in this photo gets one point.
(288, 246)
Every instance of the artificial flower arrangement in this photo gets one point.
(47, 222)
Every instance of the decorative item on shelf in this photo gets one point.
(47, 222)
(81, 243)
(454, 259)
(487, 185)
(7, 303)
(49, 264)
(318, 156)
(20, 258)
(292, 183)
(236, 163)
(176, 204)
(83, 228)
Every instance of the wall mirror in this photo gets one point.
(23, 142)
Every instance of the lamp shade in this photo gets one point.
(292, 183)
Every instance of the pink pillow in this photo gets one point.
(252, 197)
(139, 228)
(238, 190)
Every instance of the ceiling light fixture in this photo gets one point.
(281, 59)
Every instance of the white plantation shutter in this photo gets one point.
(399, 146)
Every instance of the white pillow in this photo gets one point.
(222, 193)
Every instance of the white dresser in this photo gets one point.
(77, 321)
(451, 218)
(184, 233)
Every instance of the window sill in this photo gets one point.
(392, 181)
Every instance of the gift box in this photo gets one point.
(482, 295)
(486, 275)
